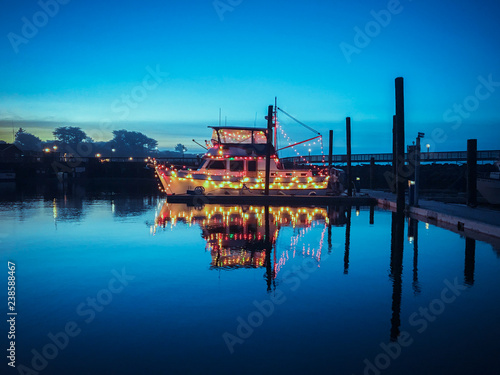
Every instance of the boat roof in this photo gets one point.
(237, 128)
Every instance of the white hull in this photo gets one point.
(214, 185)
(489, 189)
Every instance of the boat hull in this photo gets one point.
(489, 189)
(174, 184)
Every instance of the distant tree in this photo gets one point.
(27, 141)
(2, 142)
(180, 148)
(132, 143)
(70, 135)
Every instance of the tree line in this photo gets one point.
(73, 140)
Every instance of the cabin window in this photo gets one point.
(236, 165)
(216, 164)
(252, 166)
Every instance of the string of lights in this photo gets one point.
(290, 143)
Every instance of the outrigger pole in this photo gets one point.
(200, 145)
(298, 143)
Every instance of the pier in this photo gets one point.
(459, 218)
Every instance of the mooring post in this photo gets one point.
(372, 171)
(472, 172)
(348, 140)
(330, 149)
(268, 146)
(417, 171)
(394, 154)
(400, 145)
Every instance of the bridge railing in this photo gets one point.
(426, 157)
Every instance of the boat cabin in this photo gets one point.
(241, 152)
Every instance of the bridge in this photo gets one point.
(425, 157)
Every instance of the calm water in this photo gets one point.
(142, 287)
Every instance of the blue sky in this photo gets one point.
(166, 67)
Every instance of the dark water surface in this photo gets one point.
(127, 284)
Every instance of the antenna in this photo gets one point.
(275, 122)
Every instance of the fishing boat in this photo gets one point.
(489, 185)
(235, 164)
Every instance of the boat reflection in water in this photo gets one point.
(245, 236)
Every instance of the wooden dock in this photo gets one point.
(459, 218)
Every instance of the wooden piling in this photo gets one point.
(330, 149)
(348, 169)
(372, 171)
(400, 145)
(394, 155)
(472, 172)
(417, 172)
(268, 147)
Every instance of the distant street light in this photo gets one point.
(97, 155)
(113, 150)
(47, 150)
(55, 147)
(309, 153)
(428, 147)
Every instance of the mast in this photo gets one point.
(276, 123)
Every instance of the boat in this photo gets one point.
(489, 185)
(235, 164)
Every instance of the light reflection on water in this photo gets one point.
(340, 281)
